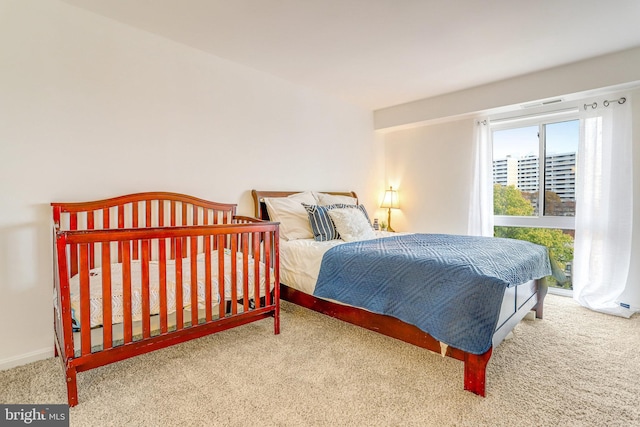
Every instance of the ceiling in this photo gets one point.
(380, 53)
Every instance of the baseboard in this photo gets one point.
(23, 359)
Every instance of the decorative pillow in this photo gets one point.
(366, 215)
(325, 199)
(321, 224)
(292, 216)
(351, 224)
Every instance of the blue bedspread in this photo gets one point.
(447, 285)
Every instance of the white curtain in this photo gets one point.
(481, 201)
(604, 208)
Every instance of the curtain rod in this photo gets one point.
(606, 103)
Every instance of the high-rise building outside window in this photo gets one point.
(527, 157)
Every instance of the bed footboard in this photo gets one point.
(145, 271)
(475, 366)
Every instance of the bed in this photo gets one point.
(304, 268)
(144, 271)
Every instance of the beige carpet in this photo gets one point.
(574, 368)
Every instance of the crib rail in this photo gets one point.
(249, 249)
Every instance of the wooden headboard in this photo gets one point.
(260, 208)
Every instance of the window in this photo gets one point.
(529, 155)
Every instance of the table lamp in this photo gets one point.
(390, 201)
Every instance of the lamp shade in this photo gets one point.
(390, 199)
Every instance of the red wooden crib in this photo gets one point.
(165, 254)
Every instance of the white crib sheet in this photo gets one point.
(95, 285)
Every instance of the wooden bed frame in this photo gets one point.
(157, 227)
(517, 303)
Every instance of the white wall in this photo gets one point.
(431, 167)
(90, 108)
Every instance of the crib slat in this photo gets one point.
(194, 280)
(173, 213)
(126, 290)
(184, 223)
(92, 249)
(134, 224)
(245, 271)
(162, 256)
(120, 216)
(179, 299)
(120, 225)
(234, 273)
(207, 279)
(267, 269)
(205, 221)
(107, 310)
(105, 219)
(221, 282)
(146, 311)
(173, 224)
(85, 303)
(73, 221)
(107, 314)
(90, 220)
(73, 225)
(217, 243)
(147, 211)
(134, 215)
(256, 268)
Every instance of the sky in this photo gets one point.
(562, 137)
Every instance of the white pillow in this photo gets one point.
(325, 199)
(351, 224)
(292, 216)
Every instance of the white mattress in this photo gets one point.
(95, 285)
(300, 261)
